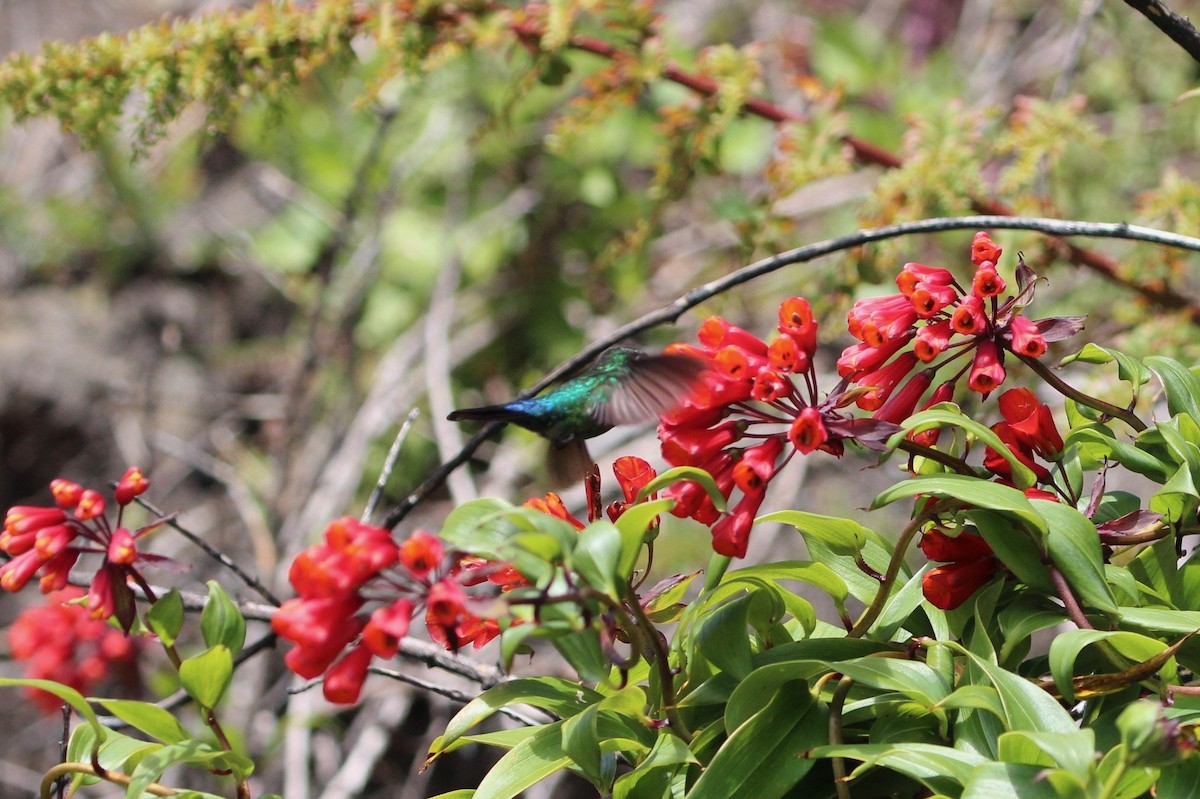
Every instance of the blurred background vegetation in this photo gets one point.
(238, 243)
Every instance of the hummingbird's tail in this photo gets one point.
(489, 413)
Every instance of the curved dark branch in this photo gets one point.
(809, 252)
(1180, 29)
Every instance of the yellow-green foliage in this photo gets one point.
(218, 59)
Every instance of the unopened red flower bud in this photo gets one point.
(122, 549)
(91, 505)
(900, 405)
(66, 494)
(947, 587)
(944, 548)
(343, 684)
(132, 484)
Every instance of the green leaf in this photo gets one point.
(1007, 780)
(1128, 369)
(150, 719)
(1181, 385)
(1026, 707)
(650, 777)
(912, 678)
(803, 571)
(561, 697)
(1180, 779)
(1073, 751)
(634, 524)
(67, 694)
(1157, 620)
(948, 415)
(939, 768)
(526, 764)
(722, 637)
(1098, 442)
(1014, 547)
(1178, 497)
(1022, 619)
(838, 544)
(1074, 546)
(221, 622)
(165, 617)
(206, 676)
(682, 474)
(583, 650)
(194, 753)
(1065, 648)
(762, 757)
(971, 490)
(597, 556)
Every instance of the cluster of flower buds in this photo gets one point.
(1028, 429)
(47, 541)
(944, 323)
(358, 592)
(746, 418)
(60, 641)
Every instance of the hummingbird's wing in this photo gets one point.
(652, 384)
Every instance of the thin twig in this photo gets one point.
(1074, 611)
(251, 581)
(389, 463)
(672, 311)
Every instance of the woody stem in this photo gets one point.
(1059, 385)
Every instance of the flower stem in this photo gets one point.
(889, 578)
(1074, 611)
(1062, 387)
(655, 649)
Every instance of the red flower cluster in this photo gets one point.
(969, 565)
(930, 311)
(62, 642)
(49, 540)
(359, 564)
(748, 394)
(1028, 429)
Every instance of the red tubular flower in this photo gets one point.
(731, 535)
(1026, 338)
(902, 403)
(932, 340)
(57, 570)
(444, 603)
(716, 333)
(877, 320)
(965, 546)
(914, 275)
(66, 494)
(388, 624)
(984, 249)
(553, 505)
(91, 505)
(808, 432)
(344, 682)
(969, 318)
(929, 300)
(25, 518)
(318, 622)
(122, 549)
(633, 474)
(987, 370)
(797, 323)
(15, 574)
(784, 355)
(689, 446)
(859, 358)
(101, 601)
(1032, 421)
(947, 587)
(995, 463)
(987, 281)
(476, 631)
(421, 553)
(757, 466)
(770, 386)
(132, 484)
(883, 381)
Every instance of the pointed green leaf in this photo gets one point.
(948, 415)
(561, 697)
(221, 622)
(1007, 780)
(971, 490)
(206, 676)
(67, 694)
(681, 474)
(763, 758)
(526, 764)
(1074, 546)
(940, 768)
(1026, 707)
(1073, 751)
(165, 617)
(597, 555)
(1181, 385)
(149, 718)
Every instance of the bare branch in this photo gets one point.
(1180, 29)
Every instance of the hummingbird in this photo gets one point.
(622, 386)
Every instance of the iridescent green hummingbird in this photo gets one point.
(622, 386)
